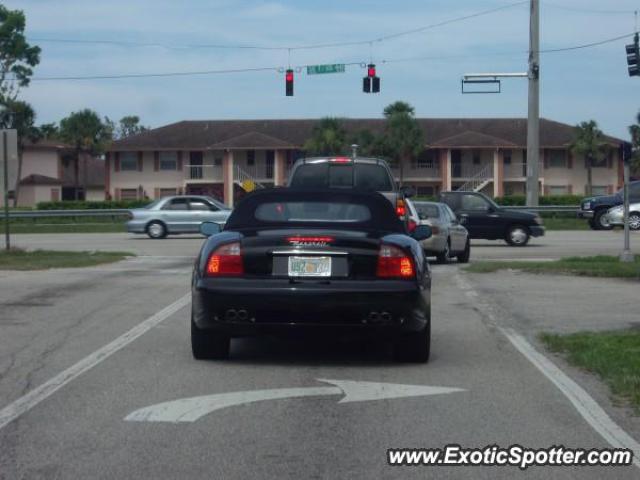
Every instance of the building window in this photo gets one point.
(168, 161)
(599, 190)
(128, 194)
(557, 158)
(506, 155)
(217, 161)
(167, 192)
(427, 159)
(128, 161)
(251, 157)
(558, 190)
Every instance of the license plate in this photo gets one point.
(309, 266)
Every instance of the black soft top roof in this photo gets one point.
(383, 215)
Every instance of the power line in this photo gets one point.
(300, 67)
(125, 43)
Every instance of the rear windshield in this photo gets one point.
(325, 175)
(428, 210)
(312, 212)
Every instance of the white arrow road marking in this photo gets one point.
(191, 409)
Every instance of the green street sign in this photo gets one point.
(331, 68)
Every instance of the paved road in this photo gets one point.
(556, 244)
(52, 320)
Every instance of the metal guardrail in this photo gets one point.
(545, 208)
(100, 212)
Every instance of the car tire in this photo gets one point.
(414, 347)
(517, 235)
(634, 220)
(600, 220)
(209, 345)
(592, 225)
(156, 230)
(443, 257)
(466, 253)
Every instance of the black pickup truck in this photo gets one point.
(483, 218)
(595, 208)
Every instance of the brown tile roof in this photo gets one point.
(47, 144)
(36, 179)
(252, 140)
(473, 139)
(203, 134)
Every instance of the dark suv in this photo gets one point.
(483, 218)
(348, 172)
(595, 208)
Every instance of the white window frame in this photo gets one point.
(128, 160)
(168, 161)
(565, 190)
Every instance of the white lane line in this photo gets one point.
(42, 392)
(593, 413)
(586, 406)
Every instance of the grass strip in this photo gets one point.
(17, 259)
(613, 356)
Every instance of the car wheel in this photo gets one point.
(208, 345)
(414, 347)
(517, 236)
(592, 225)
(601, 220)
(466, 253)
(156, 230)
(443, 257)
(634, 221)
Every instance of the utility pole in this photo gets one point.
(533, 121)
(626, 255)
(5, 158)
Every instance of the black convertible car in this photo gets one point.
(301, 260)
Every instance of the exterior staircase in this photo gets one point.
(479, 180)
(244, 180)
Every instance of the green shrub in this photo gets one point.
(89, 205)
(520, 200)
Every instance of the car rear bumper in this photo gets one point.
(537, 231)
(242, 308)
(435, 244)
(136, 226)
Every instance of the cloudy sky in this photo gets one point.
(424, 69)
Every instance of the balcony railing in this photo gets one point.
(259, 170)
(417, 170)
(470, 170)
(212, 173)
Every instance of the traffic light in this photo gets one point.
(288, 78)
(633, 57)
(371, 83)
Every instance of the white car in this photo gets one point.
(615, 215)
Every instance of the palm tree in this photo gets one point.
(403, 137)
(328, 137)
(589, 142)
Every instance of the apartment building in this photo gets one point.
(227, 158)
(49, 173)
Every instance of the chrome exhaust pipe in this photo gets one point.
(230, 315)
(243, 315)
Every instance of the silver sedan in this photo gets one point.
(615, 216)
(449, 238)
(177, 214)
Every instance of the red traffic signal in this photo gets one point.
(371, 83)
(288, 78)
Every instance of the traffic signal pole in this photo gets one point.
(533, 121)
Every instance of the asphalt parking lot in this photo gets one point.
(56, 324)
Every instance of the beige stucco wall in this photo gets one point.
(40, 162)
(31, 195)
(148, 178)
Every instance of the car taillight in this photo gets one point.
(225, 261)
(394, 263)
(401, 208)
(411, 226)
